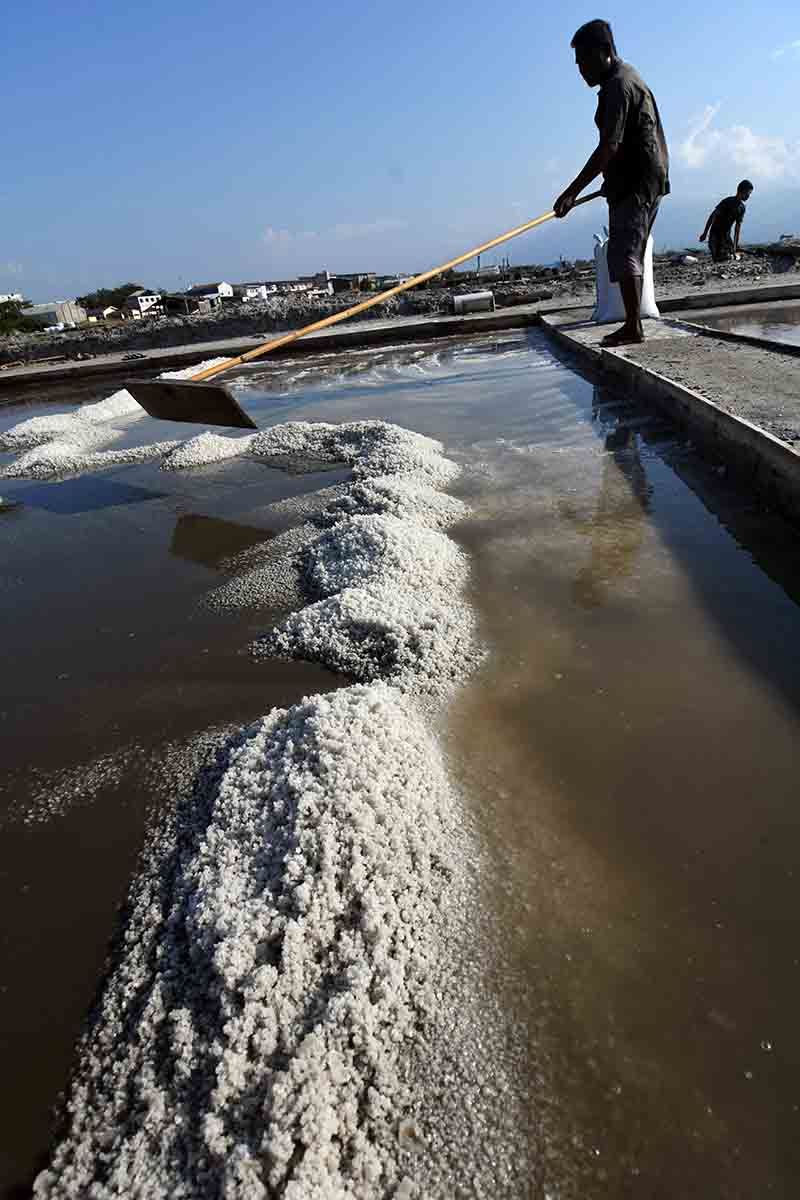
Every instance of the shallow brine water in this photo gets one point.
(779, 324)
(628, 747)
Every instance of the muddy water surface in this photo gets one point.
(634, 744)
(629, 746)
(113, 680)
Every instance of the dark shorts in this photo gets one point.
(630, 222)
(720, 246)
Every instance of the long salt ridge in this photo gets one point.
(279, 958)
(250, 1042)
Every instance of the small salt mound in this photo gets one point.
(306, 507)
(381, 448)
(79, 427)
(267, 577)
(372, 448)
(359, 549)
(122, 403)
(36, 431)
(404, 496)
(274, 977)
(205, 448)
(119, 404)
(71, 458)
(293, 439)
(388, 578)
(73, 426)
(273, 579)
(415, 454)
(416, 641)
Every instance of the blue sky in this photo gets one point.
(171, 143)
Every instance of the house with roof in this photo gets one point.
(360, 281)
(211, 291)
(291, 286)
(143, 303)
(253, 291)
(109, 313)
(57, 314)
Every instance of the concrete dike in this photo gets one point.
(738, 395)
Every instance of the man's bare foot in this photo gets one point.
(624, 336)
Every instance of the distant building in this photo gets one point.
(11, 298)
(253, 291)
(177, 302)
(109, 313)
(181, 304)
(57, 312)
(211, 291)
(293, 285)
(352, 283)
(143, 303)
(320, 284)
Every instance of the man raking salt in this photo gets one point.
(633, 158)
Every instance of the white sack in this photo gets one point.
(609, 306)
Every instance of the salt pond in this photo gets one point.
(625, 751)
(777, 322)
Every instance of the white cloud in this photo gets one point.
(789, 48)
(11, 268)
(342, 232)
(272, 236)
(768, 159)
(694, 150)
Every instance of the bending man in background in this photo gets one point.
(729, 212)
(634, 161)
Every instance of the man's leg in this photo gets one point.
(720, 247)
(630, 285)
(634, 224)
(631, 288)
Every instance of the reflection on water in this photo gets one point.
(616, 527)
(780, 323)
(82, 495)
(210, 541)
(631, 751)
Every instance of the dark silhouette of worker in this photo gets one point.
(634, 160)
(728, 214)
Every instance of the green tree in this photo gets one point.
(13, 319)
(103, 297)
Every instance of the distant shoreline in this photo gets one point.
(279, 314)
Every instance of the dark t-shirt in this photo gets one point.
(726, 214)
(628, 115)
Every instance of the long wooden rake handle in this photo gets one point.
(373, 300)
